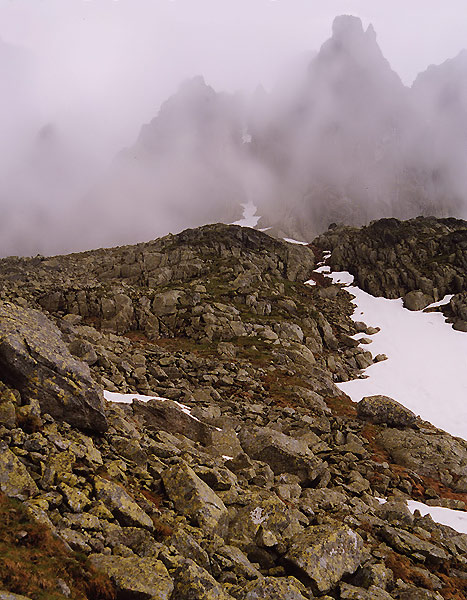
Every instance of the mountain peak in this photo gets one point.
(345, 27)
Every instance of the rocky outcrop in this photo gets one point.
(421, 260)
(35, 360)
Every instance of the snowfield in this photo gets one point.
(426, 370)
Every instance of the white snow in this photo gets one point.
(457, 519)
(249, 219)
(324, 269)
(128, 399)
(310, 282)
(341, 277)
(426, 370)
(292, 241)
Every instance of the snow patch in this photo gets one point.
(426, 370)
(457, 519)
(292, 241)
(128, 399)
(249, 218)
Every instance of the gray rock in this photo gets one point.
(324, 554)
(194, 498)
(417, 300)
(134, 577)
(282, 453)
(188, 547)
(194, 583)
(434, 454)
(15, 480)
(121, 504)
(35, 360)
(382, 409)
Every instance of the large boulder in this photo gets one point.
(417, 300)
(194, 498)
(135, 577)
(323, 554)
(35, 360)
(382, 409)
(432, 454)
(284, 454)
(121, 504)
(160, 413)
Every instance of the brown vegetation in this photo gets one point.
(34, 561)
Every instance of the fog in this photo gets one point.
(122, 121)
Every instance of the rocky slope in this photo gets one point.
(248, 475)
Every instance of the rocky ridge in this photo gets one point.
(249, 474)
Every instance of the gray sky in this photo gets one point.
(117, 60)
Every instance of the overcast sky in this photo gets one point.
(120, 59)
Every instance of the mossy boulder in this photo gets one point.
(323, 554)
(194, 498)
(121, 504)
(15, 481)
(135, 577)
(195, 583)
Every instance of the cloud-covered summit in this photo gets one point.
(342, 140)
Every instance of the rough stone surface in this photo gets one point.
(417, 300)
(195, 498)
(142, 578)
(283, 453)
(325, 553)
(35, 360)
(192, 582)
(120, 502)
(15, 480)
(382, 409)
(272, 588)
(167, 415)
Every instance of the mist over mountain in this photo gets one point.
(343, 140)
